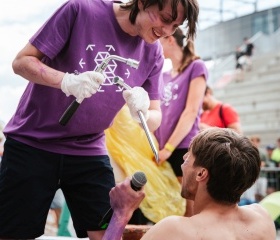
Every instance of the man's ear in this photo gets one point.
(202, 174)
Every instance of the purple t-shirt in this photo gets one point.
(174, 101)
(77, 37)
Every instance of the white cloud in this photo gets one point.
(19, 20)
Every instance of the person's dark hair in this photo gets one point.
(188, 50)
(232, 161)
(190, 6)
(208, 90)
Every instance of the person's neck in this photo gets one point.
(176, 62)
(204, 203)
(201, 200)
(122, 17)
(214, 102)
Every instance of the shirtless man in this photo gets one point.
(219, 167)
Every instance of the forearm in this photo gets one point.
(116, 227)
(155, 115)
(182, 128)
(236, 127)
(154, 120)
(124, 200)
(34, 70)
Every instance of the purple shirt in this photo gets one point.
(78, 36)
(174, 101)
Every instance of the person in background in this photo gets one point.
(61, 62)
(275, 156)
(218, 114)
(262, 182)
(248, 53)
(57, 205)
(256, 140)
(184, 86)
(215, 174)
(271, 176)
(269, 150)
(239, 56)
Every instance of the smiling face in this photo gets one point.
(152, 24)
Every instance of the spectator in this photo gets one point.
(238, 54)
(57, 205)
(276, 158)
(256, 140)
(184, 87)
(217, 114)
(61, 60)
(271, 176)
(269, 150)
(260, 186)
(276, 154)
(249, 49)
(215, 174)
(239, 58)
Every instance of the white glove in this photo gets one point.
(83, 85)
(137, 99)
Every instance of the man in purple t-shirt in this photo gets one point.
(62, 64)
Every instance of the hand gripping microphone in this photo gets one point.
(137, 182)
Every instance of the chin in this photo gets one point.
(150, 39)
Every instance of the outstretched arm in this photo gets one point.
(124, 200)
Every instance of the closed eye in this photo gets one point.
(166, 20)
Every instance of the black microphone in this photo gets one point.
(137, 182)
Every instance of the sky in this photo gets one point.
(19, 20)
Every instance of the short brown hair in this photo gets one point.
(232, 160)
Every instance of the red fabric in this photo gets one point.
(212, 118)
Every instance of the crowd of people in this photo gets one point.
(198, 135)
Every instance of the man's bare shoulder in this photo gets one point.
(256, 209)
(258, 218)
(170, 226)
(248, 222)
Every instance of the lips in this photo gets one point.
(157, 34)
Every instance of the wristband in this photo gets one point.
(169, 147)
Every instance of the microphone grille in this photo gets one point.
(138, 179)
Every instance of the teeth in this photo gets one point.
(158, 35)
